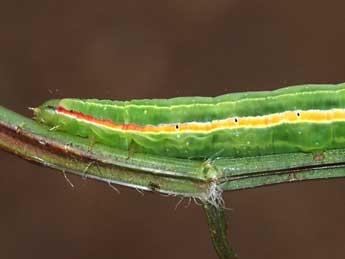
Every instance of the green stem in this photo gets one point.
(218, 230)
(250, 172)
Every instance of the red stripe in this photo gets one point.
(89, 118)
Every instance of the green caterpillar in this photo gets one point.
(305, 118)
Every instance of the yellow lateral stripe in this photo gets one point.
(298, 116)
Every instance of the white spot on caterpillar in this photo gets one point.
(248, 142)
(187, 143)
(145, 112)
(178, 136)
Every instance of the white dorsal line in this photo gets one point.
(129, 105)
(299, 113)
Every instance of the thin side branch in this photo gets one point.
(218, 230)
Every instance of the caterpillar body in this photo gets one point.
(304, 118)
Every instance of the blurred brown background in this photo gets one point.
(158, 49)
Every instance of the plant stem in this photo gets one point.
(218, 230)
